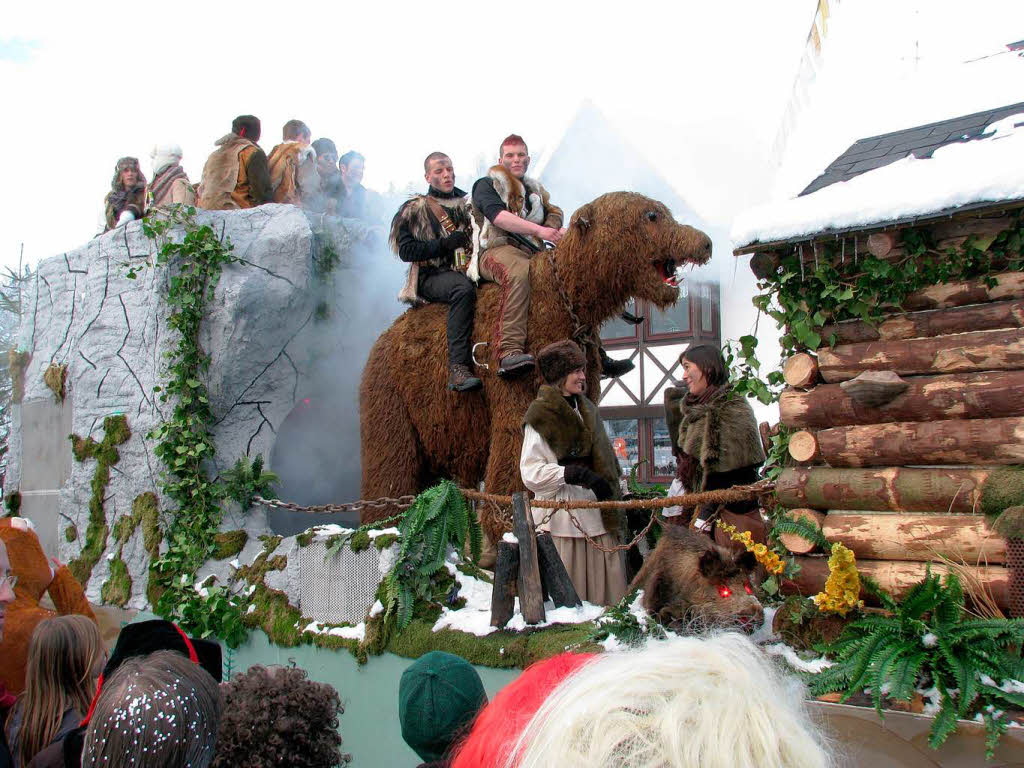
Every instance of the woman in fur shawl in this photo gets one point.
(567, 455)
(126, 200)
(715, 437)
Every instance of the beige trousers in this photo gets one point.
(509, 267)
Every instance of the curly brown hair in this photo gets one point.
(278, 716)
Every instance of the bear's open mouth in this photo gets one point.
(667, 270)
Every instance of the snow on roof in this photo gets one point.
(990, 169)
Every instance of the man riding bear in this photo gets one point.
(514, 217)
(431, 233)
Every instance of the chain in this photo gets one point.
(401, 502)
(581, 331)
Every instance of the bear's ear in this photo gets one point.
(583, 218)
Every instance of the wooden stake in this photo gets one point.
(531, 597)
(553, 575)
(506, 574)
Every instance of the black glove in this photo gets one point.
(577, 474)
(457, 239)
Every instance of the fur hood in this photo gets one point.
(721, 434)
(514, 193)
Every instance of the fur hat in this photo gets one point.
(438, 697)
(558, 360)
(164, 155)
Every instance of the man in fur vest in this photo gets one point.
(431, 233)
(567, 455)
(292, 164)
(235, 175)
(513, 216)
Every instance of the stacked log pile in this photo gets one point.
(898, 427)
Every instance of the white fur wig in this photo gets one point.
(688, 702)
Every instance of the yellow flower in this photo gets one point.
(766, 557)
(759, 550)
(842, 588)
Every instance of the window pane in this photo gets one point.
(675, 319)
(623, 434)
(617, 328)
(706, 304)
(664, 461)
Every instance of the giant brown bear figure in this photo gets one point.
(414, 430)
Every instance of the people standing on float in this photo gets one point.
(567, 456)
(235, 175)
(431, 233)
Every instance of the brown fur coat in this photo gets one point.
(416, 215)
(721, 434)
(225, 184)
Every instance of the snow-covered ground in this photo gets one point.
(981, 170)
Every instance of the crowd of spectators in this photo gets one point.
(239, 174)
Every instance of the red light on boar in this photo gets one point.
(724, 591)
(746, 586)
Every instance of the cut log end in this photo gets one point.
(798, 545)
(800, 370)
(881, 243)
(875, 388)
(764, 265)
(803, 446)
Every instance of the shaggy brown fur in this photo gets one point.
(683, 577)
(414, 430)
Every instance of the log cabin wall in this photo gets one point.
(899, 426)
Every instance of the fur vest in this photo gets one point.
(577, 437)
(514, 193)
(224, 185)
(416, 216)
(290, 164)
(720, 434)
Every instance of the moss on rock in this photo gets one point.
(359, 541)
(305, 538)
(254, 573)
(55, 377)
(1004, 488)
(229, 543)
(385, 541)
(115, 433)
(71, 534)
(12, 503)
(117, 590)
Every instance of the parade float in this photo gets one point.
(159, 365)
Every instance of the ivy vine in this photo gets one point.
(183, 442)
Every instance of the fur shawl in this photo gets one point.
(576, 437)
(416, 215)
(514, 193)
(721, 434)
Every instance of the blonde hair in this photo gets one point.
(689, 702)
(63, 663)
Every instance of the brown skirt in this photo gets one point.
(599, 577)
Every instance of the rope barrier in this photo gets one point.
(499, 502)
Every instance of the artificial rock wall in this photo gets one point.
(264, 336)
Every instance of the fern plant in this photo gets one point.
(438, 518)
(629, 626)
(928, 639)
(244, 481)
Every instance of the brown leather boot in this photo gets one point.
(461, 379)
(515, 364)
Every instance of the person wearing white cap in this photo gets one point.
(170, 185)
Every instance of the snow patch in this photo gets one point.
(983, 170)
(790, 657)
(358, 632)
(510, 538)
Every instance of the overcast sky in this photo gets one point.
(697, 86)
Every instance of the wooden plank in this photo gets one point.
(988, 394)
(1008, 285)
(960, 353)
(531, 597)
(553, 575)
(506, 576)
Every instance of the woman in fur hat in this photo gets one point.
(126, 200)
(715, 437)
(567, 455)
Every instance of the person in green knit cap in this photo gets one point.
(439, 696)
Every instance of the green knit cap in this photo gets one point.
(438, 697)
